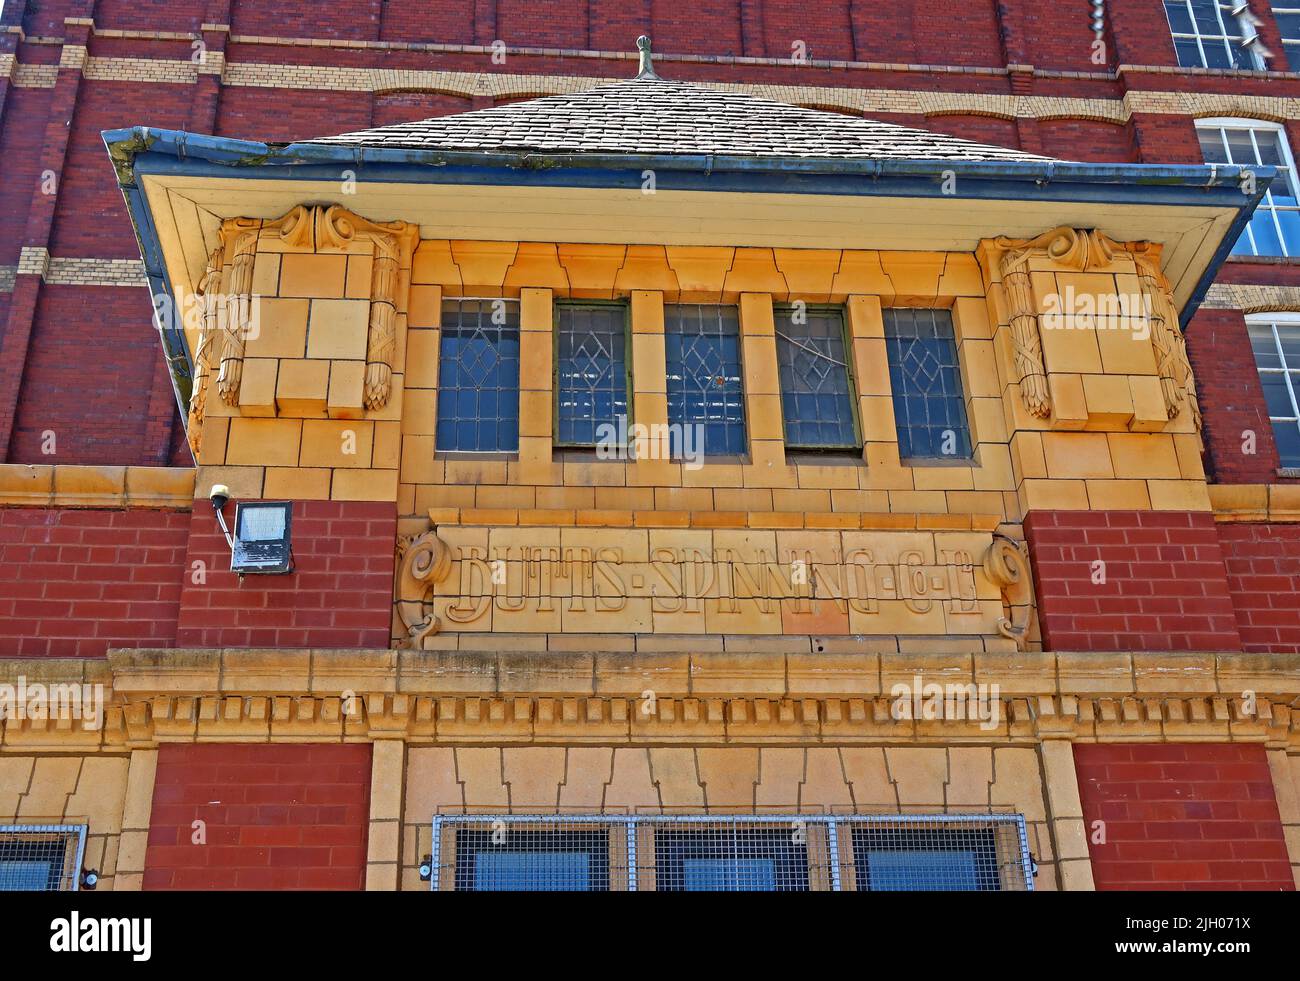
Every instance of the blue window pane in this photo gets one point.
(532, 872)
(902, 856)
(929, 406)
(738, 875)
(478, 376)
(526, 860)
(702, 349)
(729, 859)
(1180, 19)
(591, 371)
(1265, 233)
(1287, 437)
(816, 397)
(929, 871)
(16, 876)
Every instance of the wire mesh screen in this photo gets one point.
(41, 858)
(706, 853)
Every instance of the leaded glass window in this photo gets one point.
(702, 353)
(478, 377)
(591, 370)
(929, 407)
(1276, 344)
(816, 393)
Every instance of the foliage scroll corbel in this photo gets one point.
(1007, 568)
(209, 344)
(1177, 383)
(423, 561)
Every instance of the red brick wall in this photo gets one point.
(1185, 817)
(1165, 589)
(75, 583)
(1264, 578)
(275, 817)
(1232, 399)
(339, 595)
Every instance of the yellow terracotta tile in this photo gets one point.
(536, 264)
(342, 443)
(257, 387)
(754, 271)
(592, 269)
(535, 412)
(914, 275)
(313, 275)
(1127, 351)
(535, 312)
(425, 309)
(388, 445)
(422, 350)
(297, 483)
(1074, 455)
(418, 464)
(244, 482)
(1027, 455)
(1149, 412)
(302, 386)
(1142, 455)
(646, 268)
(970, 318)
(1109, 400)
(421, 413)
(483, 265)
(764, 418)
(1053, 495)
(756, 315)
(860, 273)
(263, 442)
(1071, 348)
(266, 274)
(759, 365)
(279, 328)
(1069, 405)
(648, 363)
(1118, 495)
(809, 273)
(647, 312)
(961, 276)
(364, 485)
(700, 271)
(346, 390)
(338, 329)
(433, 265)
(359, 277)
(1179, 495)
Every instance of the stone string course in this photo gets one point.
(501, 85)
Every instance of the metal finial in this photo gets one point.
(647, 68)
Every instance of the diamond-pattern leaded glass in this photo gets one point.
(816, 398)
(702, 352)
(928, 404)
(591, 370)
(478, 376)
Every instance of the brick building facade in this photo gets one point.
(335, 740)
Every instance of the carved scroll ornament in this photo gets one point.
(1007, 568)
(423, 561)
(1073, 248)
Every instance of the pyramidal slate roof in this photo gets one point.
(648, 115)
